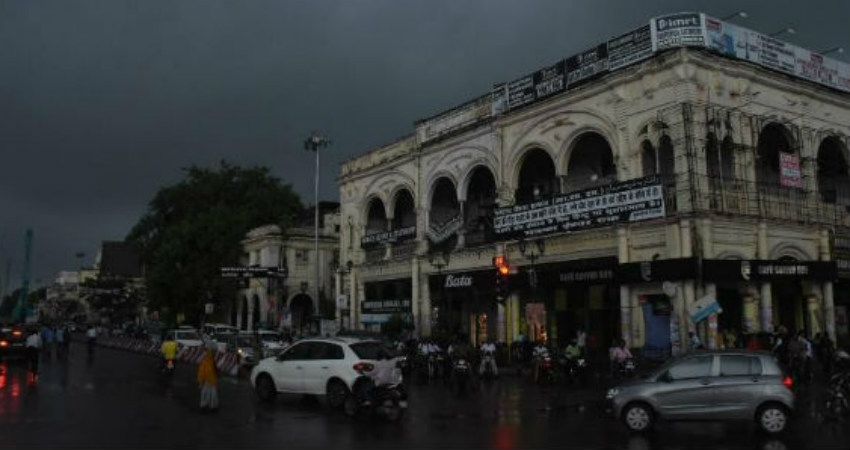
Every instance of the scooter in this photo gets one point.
(166, 371)
(488, 364)
(461, 377)
(388, 401)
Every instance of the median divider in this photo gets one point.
(226, 362)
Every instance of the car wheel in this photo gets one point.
(772, 418)
(336, 393)
(637, 417)
(266, 390)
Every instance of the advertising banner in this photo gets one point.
(629, 48)
(628, 201)
(730, 40)
(814, 67)
(500, 99)
(704, 307)
(841, 251)
(385, 237)
(385, 306)
(549, 81)
(587, 64)
(521, 92)
(677, 30)
(789, 170)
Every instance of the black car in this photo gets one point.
(12, 342)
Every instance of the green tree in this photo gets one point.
(195, 227)
(7, 306)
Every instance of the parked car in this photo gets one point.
(318, 366)
(271, 342)
(185, 337)
(12, 342)
(714, 386)
(212, 329)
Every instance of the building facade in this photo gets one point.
(290, 301)
(657, 184)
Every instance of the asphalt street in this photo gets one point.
(114, 400)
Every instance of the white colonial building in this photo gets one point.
(636, 188)
(290, 301)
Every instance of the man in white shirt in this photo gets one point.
(488, 353)
(33, 346)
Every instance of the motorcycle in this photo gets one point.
(626, 368)
(388, 400)
(546, 370)
(573, 369)
(461, 377)
(488, 364)
(837, 401)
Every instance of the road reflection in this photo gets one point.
(10, 391)
(653, 442)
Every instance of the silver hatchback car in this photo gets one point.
(713, 386)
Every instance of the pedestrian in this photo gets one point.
(696, 344)
(47, 341)
(33, 347)
(581, 341)
(208, 381)
(60, 342)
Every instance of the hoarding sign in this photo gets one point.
(521, 92)
(630, 48)
(587, 64)
(629, 201)
(549, 81)
(677, 30)
(499, 104)
(385, 306)
(385, 237)
(841, 251)
(789, 170)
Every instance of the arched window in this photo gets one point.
(536, 177)
(591, 163)
(404, 212)
(833, 178)
(376, 221)
(773, 140)
(480, 202)
(648, 159)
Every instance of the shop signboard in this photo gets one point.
(386, 237)
(629, 201)
(841, 251)
(629, 48)
(841, 326)
(521, 92)
(677, 30)
(253, 272)
(390, 306)
(587, 64)
(704, 307)
(549, 81)
(765, 270)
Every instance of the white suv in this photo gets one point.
(322, 366)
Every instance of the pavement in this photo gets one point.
(113, 400)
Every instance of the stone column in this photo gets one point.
(353, 301)
(766, 300)
(415, 297)
(688, 287)
(625, 300)
(828, 289)
(424, 323)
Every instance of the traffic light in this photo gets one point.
(503, 272)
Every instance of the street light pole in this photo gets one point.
(314, 143)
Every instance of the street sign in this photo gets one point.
(253, 272)
(704, 307)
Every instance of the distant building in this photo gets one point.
(290, 302)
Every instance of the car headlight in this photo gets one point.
(612, 393)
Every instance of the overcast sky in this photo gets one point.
(103, 102)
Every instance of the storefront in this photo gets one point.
(465, 305)
(383, 299)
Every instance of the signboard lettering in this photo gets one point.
(385, 306)
(630, 48)
(549, 81)
(677, 30)
(384, 237)
(789, 170)
(629, 201)
(253, 272)
(521, 92)
(461, 281)
(587, 64)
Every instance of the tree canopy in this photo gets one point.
(195, 227)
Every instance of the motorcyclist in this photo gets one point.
(539, 353)
(91, 335)
(572, 350)
(488, 349)
(619, 355)
(168, 349)
(383, 374)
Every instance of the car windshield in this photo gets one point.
(188, 336)
(371, 350)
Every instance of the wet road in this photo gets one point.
(114, 401)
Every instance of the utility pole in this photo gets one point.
(314, 143)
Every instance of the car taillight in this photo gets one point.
(363, 367)
(788, 382)
(4, 343)
(16, 333)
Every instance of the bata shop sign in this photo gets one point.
(628, 201)
(458, 281)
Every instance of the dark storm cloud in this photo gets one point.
(103, 102)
